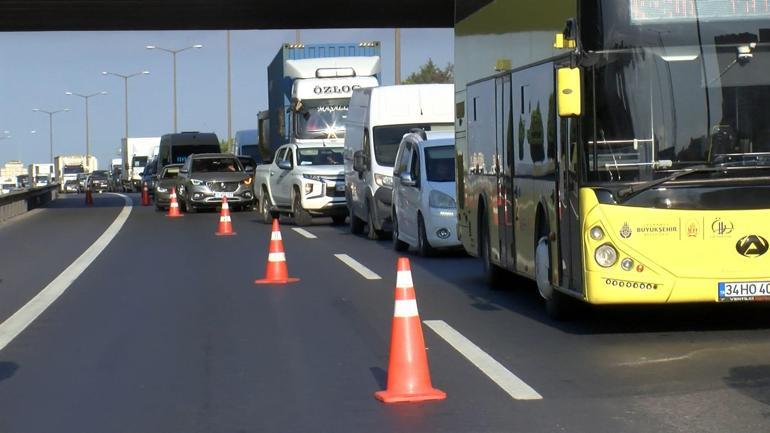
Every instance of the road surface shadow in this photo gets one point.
(7, 369)
(752, 381)
(380, 375)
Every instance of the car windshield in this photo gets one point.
(98, 175)
(320, 156)
(388, 138)
(322, 118)
(440, 164)
(215, 165)
(170, 172)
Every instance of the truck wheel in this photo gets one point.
(356, 223)
(423, 246)
(264, 207)
(398, 245)
(373, 233)
(301, 216)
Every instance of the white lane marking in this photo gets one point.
(358, 267)
(304, 233)
(506, 380)
(18, 322)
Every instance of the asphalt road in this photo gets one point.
(166, 332)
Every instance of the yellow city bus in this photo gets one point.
(616, 151)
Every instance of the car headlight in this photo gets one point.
(161, 189)
(439, 200)
(383, 180)
(314, 177)
(606, 255)
(248, 181)
(196, 182)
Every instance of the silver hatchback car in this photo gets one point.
(205, 179)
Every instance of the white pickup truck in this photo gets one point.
(303, 181)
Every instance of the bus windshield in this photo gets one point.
(140, 161)
(322, 118)
(73, 169)
(694, 94)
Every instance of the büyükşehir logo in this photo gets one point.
(752, 246)
(625, 231)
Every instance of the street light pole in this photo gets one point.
(88, 142)
(50, 126)
(125, 88)
(173, 55)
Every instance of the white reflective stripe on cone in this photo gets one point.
(225, 206)
(276, 236)
(174, 204)
(276, 257)
(404, 280)
(225, 219)
(405, 308)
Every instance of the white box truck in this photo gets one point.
(136, 152)
(40, 174)
(69, 166)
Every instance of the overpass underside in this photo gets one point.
(45, 15)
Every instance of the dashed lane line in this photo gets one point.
(304, 233)
(506, 380)
(358, 267)
(18, 322)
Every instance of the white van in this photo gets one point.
(377, 121)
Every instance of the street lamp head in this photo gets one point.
(67, 109)
(145, 72)
(102, 93)
(105, 72)
(68, 93)
(197, 46)
(35, 109)
(150, 47)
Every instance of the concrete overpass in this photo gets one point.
(42, 15)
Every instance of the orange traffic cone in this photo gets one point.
(145, 195)
(276, 272)
(408, 374)
(89, 197)
(173, 208)
(225, 223)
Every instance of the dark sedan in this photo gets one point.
(166, 180)
(205, 179)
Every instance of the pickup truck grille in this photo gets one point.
(222, 186)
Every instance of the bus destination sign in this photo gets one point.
(656, 11)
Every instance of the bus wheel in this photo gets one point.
(558, 305)
(492, 273)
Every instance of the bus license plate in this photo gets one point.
(223, 194)
(745, 291)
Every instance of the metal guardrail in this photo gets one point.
(19, 202)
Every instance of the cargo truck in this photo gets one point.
(40, 174)
(309, 90)
(136, 151)
(69, 166)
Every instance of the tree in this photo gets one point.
(226, 146)
(430, 73)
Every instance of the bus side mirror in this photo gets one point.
(568, 85)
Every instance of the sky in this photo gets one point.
(38, 68)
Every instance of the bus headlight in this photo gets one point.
(606, 255)
(597, 233)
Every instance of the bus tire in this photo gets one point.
(558, 305)
(492, 273)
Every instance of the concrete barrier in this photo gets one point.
(19, 202)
